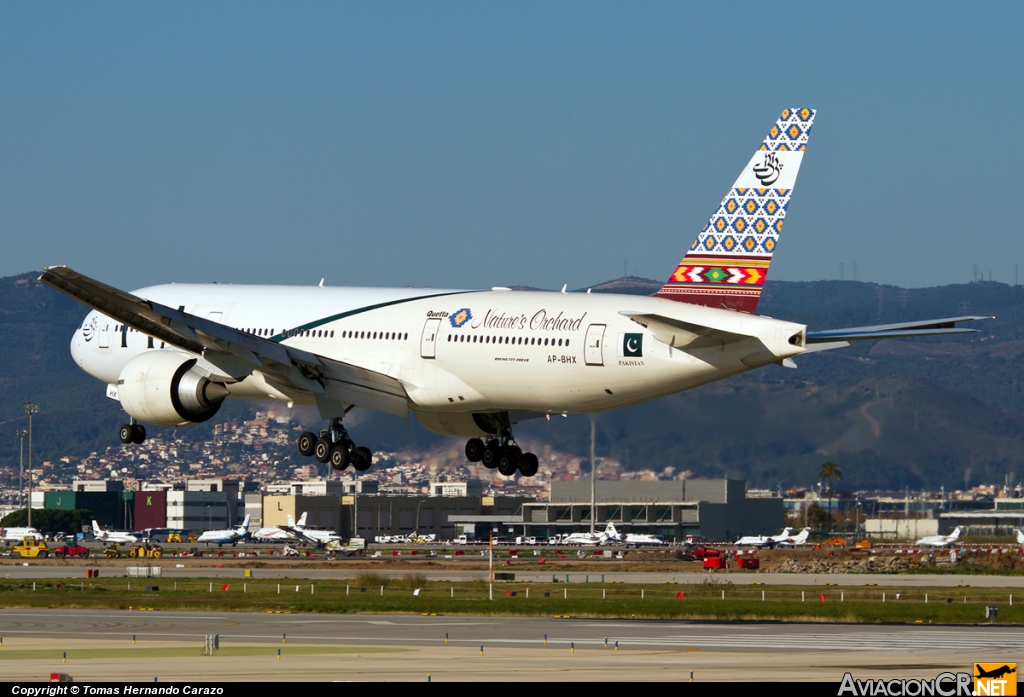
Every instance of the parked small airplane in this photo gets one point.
(941, 540)
(112, 535)
(229, 536)
(19, 534)
(764, 540)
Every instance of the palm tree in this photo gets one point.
(829, 472)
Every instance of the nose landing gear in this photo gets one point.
(333, 445)
(502, 453)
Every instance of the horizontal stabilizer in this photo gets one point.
(930, 327)
(233, 351)
(680, 334)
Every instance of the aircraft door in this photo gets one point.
(104, 333)
(428, 341)
(593, 349)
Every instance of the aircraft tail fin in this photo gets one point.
(302, 519)
(245, 522)
(611, 531)
(96, 528)
(728, 262)
(956, 533)
(291, 521)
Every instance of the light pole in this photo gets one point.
(30, 409)
(593, 474)
(21, 433)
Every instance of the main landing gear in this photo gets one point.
(503, 453)
(334, 446)
(132, 433)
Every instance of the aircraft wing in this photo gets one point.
(299, 535)
(837, 338)
(233, 352)
(680, 334)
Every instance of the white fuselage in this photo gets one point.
(540, 352)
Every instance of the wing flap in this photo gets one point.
(933, 327)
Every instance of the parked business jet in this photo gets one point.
(280, 533)
(470, 363)
(19, 534)
(610, 534)
(764, 540)
(799, 539)
(112, 535)
(229, 536)
(313, 536)
(941, 540)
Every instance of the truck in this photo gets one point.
(31, 547)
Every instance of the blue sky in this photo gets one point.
(480, 144)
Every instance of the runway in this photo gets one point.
(739, 578)
(403, 647)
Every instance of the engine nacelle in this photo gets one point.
(457, 424)
(160, 387)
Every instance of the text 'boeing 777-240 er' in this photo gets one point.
(469, 363)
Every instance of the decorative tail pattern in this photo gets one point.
(728, 262)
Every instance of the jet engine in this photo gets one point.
(162, 388)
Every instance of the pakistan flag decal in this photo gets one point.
(631, 345)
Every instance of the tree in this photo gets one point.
(829, 472)
(50, 520)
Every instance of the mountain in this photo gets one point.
(892, 413)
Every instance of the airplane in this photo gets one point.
(112, 535)
(229, 536)
(19, 534)
(941, 540)
(280, 533)
(799, 539)
(641, 539)
(310, 535)
(467, 363)
(610, 534)
(764, 540)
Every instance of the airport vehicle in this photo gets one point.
(468, 363)
(31, 547)
(230, 536)
(112, 535)
(941, 540)
(764, 540)
(146, 549)
(19, 534)
(71, 548)
(799, 539)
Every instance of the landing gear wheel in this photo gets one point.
(307, 443)
(362, 459)
(339, 457)
(474, 450)
(528, 465)
(139, 436)
(491, 453)
(322, 450)
(508, 461)
(126, 434)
